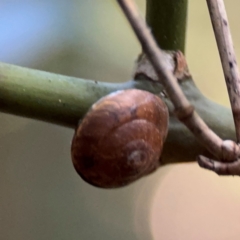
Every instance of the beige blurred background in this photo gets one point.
(41, 196)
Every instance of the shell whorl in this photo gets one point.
(120, 139)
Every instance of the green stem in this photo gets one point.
(64, 101)
(54, 98)
(167, 19)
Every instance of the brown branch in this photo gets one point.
(226, 51)
(232, 168)
(232, 77)
(184, 111)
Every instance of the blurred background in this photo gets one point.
(41, 196)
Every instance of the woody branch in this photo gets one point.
(222, 150)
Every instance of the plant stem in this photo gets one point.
(54, 98)
(231, 73)
(228, 57)
(183, 109)
(167, 19)
(35, 94)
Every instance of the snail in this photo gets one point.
(120, 139)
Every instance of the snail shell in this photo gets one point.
(120, 139)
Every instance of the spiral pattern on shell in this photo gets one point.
(120, 139)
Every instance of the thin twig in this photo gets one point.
(229, 64)
(232, 77)
(184, 111)
(221, 168)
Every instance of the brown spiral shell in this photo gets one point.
(120, 139)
